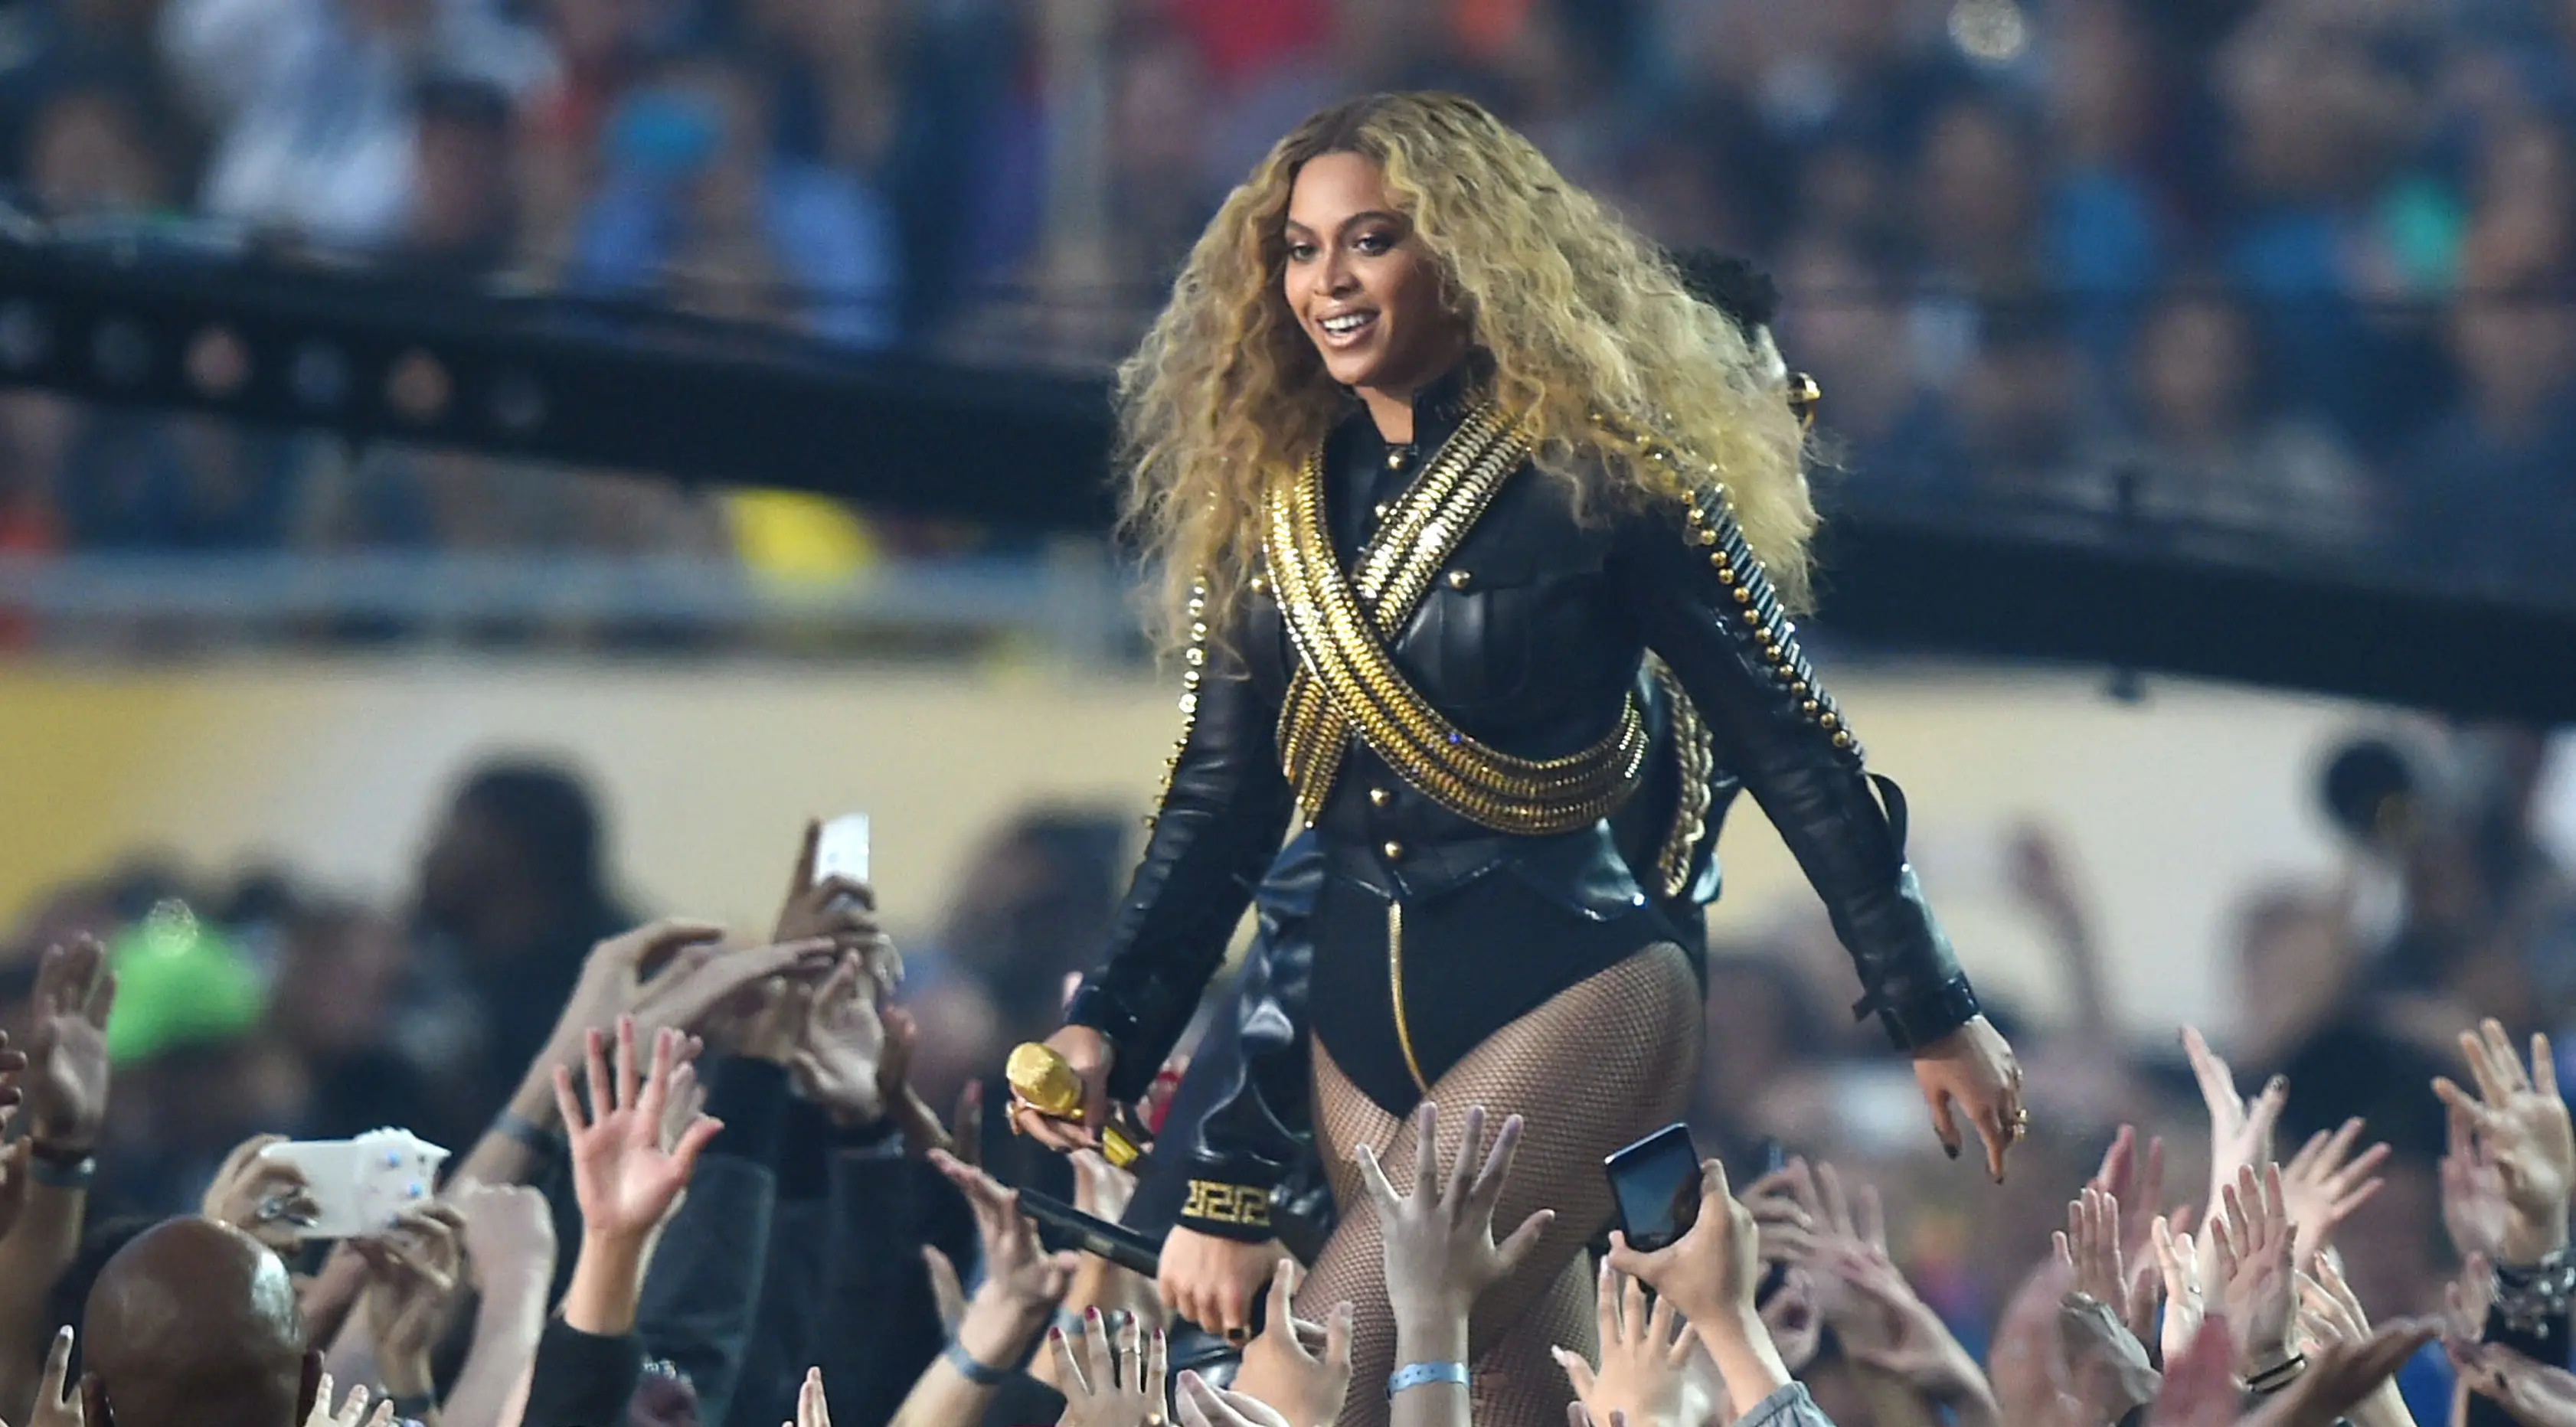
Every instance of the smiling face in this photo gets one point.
(1361, 283)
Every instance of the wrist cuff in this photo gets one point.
(1093, 1006)
(969, 1368)
(56, 1173)
(1925, 1016)
(2533, 1296)
(2277, 1376)
(1425, 1375)
(1227, 1210)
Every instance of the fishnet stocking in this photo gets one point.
(1593, 1069)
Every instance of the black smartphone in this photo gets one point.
(1655, 1185)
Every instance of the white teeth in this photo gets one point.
(1346, 324)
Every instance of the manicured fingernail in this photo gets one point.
(1951, 1150)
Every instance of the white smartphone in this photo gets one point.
(842, 851)
(362, 1186)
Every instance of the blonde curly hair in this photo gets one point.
(1582, 319)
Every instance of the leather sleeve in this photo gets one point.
(1218, 828)
(1236, 1127)
(1702, 602)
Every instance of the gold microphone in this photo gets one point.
(1043, 1080)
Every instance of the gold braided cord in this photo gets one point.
(1357, 685)
(1695, 749)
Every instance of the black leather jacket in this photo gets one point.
(1240, 1115)
(1530, 644)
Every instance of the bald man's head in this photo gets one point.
(195, 1325)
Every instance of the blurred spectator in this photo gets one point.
(134, 480)
(93, 152)
(2491, 483)
(1046, 888)
(512, 894)
(2209, 456)
(311, 101)
(2106, 223)
(2010, 428)
(462, 218)
(697, 202)
(339, 985)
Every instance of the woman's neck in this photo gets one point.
(1391, 411)
(1390, 407)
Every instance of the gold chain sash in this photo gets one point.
(1347, 684)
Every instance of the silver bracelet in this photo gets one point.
(1425, 1375)
(2533, 1296)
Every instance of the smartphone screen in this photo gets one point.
(842, 850)
(1655, 1183)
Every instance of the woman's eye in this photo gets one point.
(1374, 243)
(1300, 252)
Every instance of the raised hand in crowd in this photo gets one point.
(2533, 1393)
(58, 1397)
(2330, 1312)
(1914, 1346)
(351, 1411)
(1440, 1250)
(1796, 1321)
(1303, 1384)
(1441, 1254)
(838, 910)
(1200, 1403)
(922, 1132)
(669, 973)
(839, 1046)
(1804, 1218)
(2199, 1383)
(1110, 1379)
(813, 1409)
(2474, 1208)
(2240, 1131)
(65, 1067)
(1021, 1286)
(2178, 1261)
(2257, 1284)
(1645, 1357)
(2522, 1124)
(2090, 1248)
(2467, 1298)
(2135, 1181)
(1711, 1274)
(2107, 1371)
(2340, 1376)
(510, 1257)
(416, 1280)
(2324, 1183)
(623, 1177)
(268, 1199)
(64, 1081)
(1022, 1282)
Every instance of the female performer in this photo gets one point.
(1433, 451)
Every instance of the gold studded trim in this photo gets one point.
(1194, 658)
(1760, 627)
(1347, 685)
(1696, 751)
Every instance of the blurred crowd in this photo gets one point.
(262, 1006)
(2298, 267)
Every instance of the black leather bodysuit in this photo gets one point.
(1531, 643)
